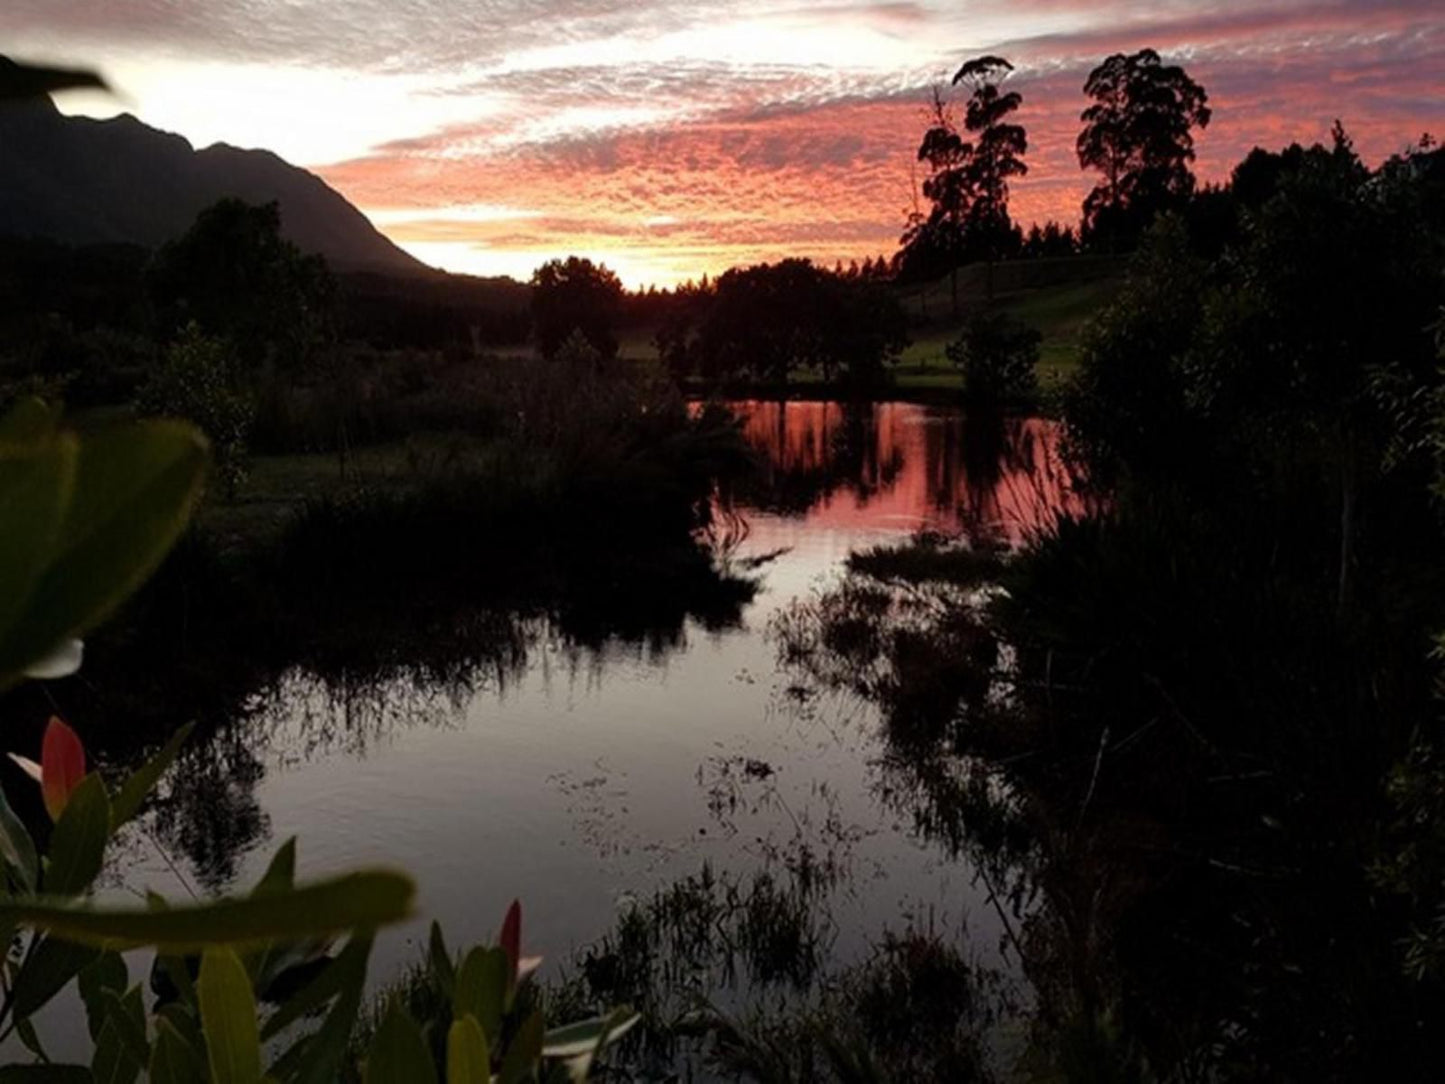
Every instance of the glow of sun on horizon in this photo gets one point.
(672, 139)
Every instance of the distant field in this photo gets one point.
(278, 486)
(1055, 296)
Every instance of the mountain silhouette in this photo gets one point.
(83, 181)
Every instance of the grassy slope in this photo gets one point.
(1056, 297)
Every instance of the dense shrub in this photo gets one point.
(997, 353)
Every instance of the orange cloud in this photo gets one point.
(675, 137)
(831, 181)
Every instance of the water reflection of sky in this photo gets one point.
(580, 779)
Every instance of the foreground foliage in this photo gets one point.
(1201, 729)
(88, 516)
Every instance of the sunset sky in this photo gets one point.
(669, 138)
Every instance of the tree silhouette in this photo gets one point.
(967, 183)
(236, 277)
(576, 295)
(997, 155)
(934, 242)
(766, 321)
(1138, 135)
(1050, 239)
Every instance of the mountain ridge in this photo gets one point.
(85, 181)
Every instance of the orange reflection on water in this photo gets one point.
(910, 467)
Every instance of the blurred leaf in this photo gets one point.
(106, 972)
(588, 1036)
(187, 1024)
(62, 765)
(28, 421)
(440, 960)
(37, 479)
(114, 1060)
(46, 1074)
(398, 1053)
(133, 490)
(317, 1058)
(134, 791)
(481, 989)
(173, 1060)
(26, 1031)
(334, 980)
(510, 941)
(63, 661)
(228, 1016)
(45, 973)
(17, 848)
(127, 1014)
(280, 875)
(523, 1052)
(468, 1060)
(174, 968)
(77, 846)
(28, 766)
(22, 81)
(362, 899)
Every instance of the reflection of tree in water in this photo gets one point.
(208, 812)
(998, 479)
(812, 451)
(1002, 477)
(368, 672)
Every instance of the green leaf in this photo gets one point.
(334, 980)
(185, 1023)
(133, 490)
(317, 1058)
(440, 960)
(481, 989)
(398, 1053)
(115, 1059)
(37, 480)
(128, 1015)
(173, 1060)
(106, 972)
(280, 875)
(468, 1060)
(17, 848)
(228, 1017)
(46, 1074)
(26, 1031)
(28, 421)
(523, 1053)
(77, 846)
(588, 1036)
(46, 972)
(354, 900)
(174, 968)
(142, 781)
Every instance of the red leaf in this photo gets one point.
(511, 939)
(62, 765)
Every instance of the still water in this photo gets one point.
(578, 780)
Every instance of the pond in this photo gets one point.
(583, 779)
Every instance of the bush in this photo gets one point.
(196, 381)
(997, 353)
